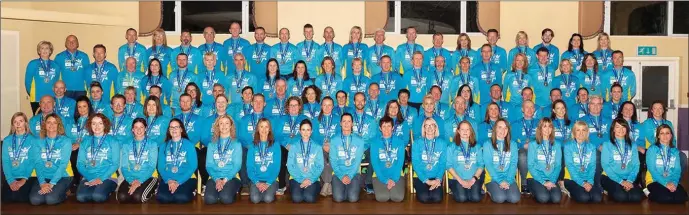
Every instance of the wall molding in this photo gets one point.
(62, 17)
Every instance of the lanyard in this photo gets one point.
(305, 151)
(466, 152)
(16, 150)
(222, 149)
(138, 153)
(49, 149)
(619, 151)
(430, 149)
(581, 148)
(175, 154)
(95, 148)
(345, 145)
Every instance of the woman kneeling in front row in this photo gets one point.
(662, 160)
(620, 164)
(428, 158)
(223, 161)
(580, 162)
(500, 159)
(176, 165)
(263, 163)
(139, 156)
(545, 162)
(465, 164)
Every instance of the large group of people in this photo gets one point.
(329, 119)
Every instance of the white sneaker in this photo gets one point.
(280, 191)
(646, 192)
(324, 189)
(203, 190)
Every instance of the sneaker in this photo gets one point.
(281, 191)
(324, 189)
(525, 190)
(646, 191)
(245, 191)
(369, 189)
(330, 189)
(203, 190)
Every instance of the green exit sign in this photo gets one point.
(647, 51)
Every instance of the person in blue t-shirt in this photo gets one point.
(239, 79)
(217, 49)
(542, 76)
(101, 71)
(465, 164)
(331, 49)
(138, 156)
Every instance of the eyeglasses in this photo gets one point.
(175, 127)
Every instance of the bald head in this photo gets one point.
(47, 104)
(59, 89)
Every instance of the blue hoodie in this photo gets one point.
(246, 127)
(505, 109)
(575, 56)
(597, 125)
(563, 132)
(624, 77)
(295, 86)
(134, 110)
(492, 158)
(593, 82)
(604, 58)
(524, 130)
(332, 50)
(237, 80)
(403, 56)
(418, 124)
(329, 84)
(354, 84)
(240, 109)
(275, 107)
(194, 58)
(578, 156)
(416, 80)
(351, 51)
(180, 156)
(427, 153)
(460, 79)
(346, 153)
(530, 54)
(499, 57)
(60, 149)
(257, 56)
(163, 54)
(16, 162)
(614, 157)
(157, 128)
(375, 108)
(224, 158)
(611, 109)
(65, 107)
(441, 110)
(138, 52)
(577, 110)
(126, 79)
(99, 157)
(661, 159)
(328, 126)
(37, 81)
(305, 160)
(513, 83)
(393, 153)
(431, 53)
(143, 153)
(120, 127)
(308, 52)
(545, 161)
(390, 83)
(78, 129)
(375, 53)
(266, 86)
(36, 121)
(264, 166)
(543, 82)
(232, 46)
(311, 110)
(452, 124)
(73, 69)
(101, 105)
(180, 79)
(364, 125)
(553, 54)
(465, 160)
(286, 54)
(160, 81)
(649, 128)
(192, 125)
(488, 74)
(445, 79)
(287, 128)
(457, 55)
(221, 57)
(568, 85)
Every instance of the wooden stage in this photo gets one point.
(367, 205)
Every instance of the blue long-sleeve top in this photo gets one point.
(232, 46)
(416, 81)
(237, 80)
(445, 80)
(40, 77)
(457, 55)
(159, 80)
(221, 57)
(78, 128)
(452, 124)
(399, 130)
(206, 128)
(553, 54)
(409, 113)
(563, 132)
(524, 130)
(143, 153)
(179, 155)
(224, 158)
(266, 86)
(192, 125)
(73, 68)
(351, 51)
(492, 158)
(577, 110)
(339, 110)
(275, 107)
(464, 159)
(649, 128)
(65, 107)
(36, 121)
(604, 58)
(611, 109)
(575, 56)
(295, 86)
(354, 84)
(440, 109)
(333, 50)
(240, 109)
(138, 52)
(59, 149)
(126, 79)
(311, 110)
(104, 151)
(328, 126)
(513, 83)
(475, 111)
(597, 125)
(592, 81)
(624, 77)
(387, 150)
(543, 81)
(404, 53)
(418, 124)
(194, 58)
(120, 126)
(580, 161)
(329, 84)
(163, 54)
(375, 53)
(545, 161)
(263, 162)
(499, 57)
(661, 159)
(101, 105)
(614, 156)
(286, 54)
(246, 128)
(287, 128)
(427, 153)
(157, 128)
(179, 79)
(431, 53)
(16, 162)
(568, 85)
(389, 83)
(257, 56)
(206, 80)
(308, 51)
(364, 125)
(488, 73)
(460, 79)
(375, 108)
(346, 154)
(530, 54)
(305, 160)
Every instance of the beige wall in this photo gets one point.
(105, 22)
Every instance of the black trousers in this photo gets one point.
(283, 178)
(141, 194)
(617, 192)
(660, 194)
(21, 195)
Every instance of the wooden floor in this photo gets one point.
(367, 205)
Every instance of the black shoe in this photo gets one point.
(525, 190)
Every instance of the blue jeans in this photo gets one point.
(498, 195)
(349, 192)
(617, 192)
(523, 167)
(96, 194)
(243, 175)
(542, 194)
(461, 194)
(424, 195)
(267, 196)
(226, 196)
(308, 194)
(57, 196)
(183, 194)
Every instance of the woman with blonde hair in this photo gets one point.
(604, 52)
(223, 161)
(545, 162)
(17, 165)
(580, 162)
(428, 157)
(516, 80)
(354, 49)
(160, 50)
(52, 168)
(522, 47)
(41, 74)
